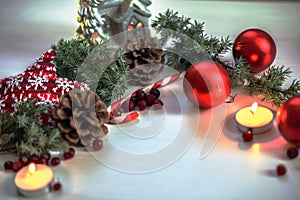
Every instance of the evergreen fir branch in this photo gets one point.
(22, 132)
(69, 56)
(270, 84)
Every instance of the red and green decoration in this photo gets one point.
(100, 19)
(54, 73)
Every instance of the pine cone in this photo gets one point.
(85, 110)
(145, 59)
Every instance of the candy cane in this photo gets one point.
(124, 118)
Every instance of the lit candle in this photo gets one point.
(34, 180)
(256, 118)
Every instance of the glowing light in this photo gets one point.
(95, 35)
(255, 149)
(31, 168)
(130, 27)
(254, 107)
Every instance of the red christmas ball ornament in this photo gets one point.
(288, 120)
(257, 47)
(207, 84)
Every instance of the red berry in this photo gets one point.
(150, 98)
(157, 103)
(72, 151)
(68, 155)
(24, 160)
(56, 186)
(155, 92)
(97, 144)
(128, 106)
(134, 99)
(117, 112)
(140, 94)
(33, 158)
(292, 152)
(45, 155)
(281, 169)
(8, 164)
(248, 136)
(55, 161)
(17, 165)
(42, 161)
(142, 104)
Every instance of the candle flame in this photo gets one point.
(31, 168)
(254, 107)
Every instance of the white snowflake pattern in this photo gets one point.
(38, 81)
(2, 102)
(13, 83)
(64, 85)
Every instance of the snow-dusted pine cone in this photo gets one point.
(145, 59)
(81, 117)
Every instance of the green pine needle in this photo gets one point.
(269, 84)
(22, 132)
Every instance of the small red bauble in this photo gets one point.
(257, 47)
(206, 84)
(288, 120)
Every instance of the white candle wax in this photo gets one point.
(258, 121)
(36, 182)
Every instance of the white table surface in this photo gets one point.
(215, 164)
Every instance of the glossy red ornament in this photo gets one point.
(207, 84)
(288, 120)
(257, 47)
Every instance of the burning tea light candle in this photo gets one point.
(256, 118)
(34, 180)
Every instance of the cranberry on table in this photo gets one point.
(292, 152)
(57, 186)
(42, 161)
(68, 155)
(34, 158)
(150, 98)
(55, 161)
(248, 136)
(72, 151)
(157, 103)
(45, 155)
(24, 160)
(128, 106)
(134, 99)
(97, 145)
(140, 94)
(117, 112)
(281, 169)
(155, 92)
(17, 165)
(142, 105)
(8, 164)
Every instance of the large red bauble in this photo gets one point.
(288, 120)
(207, 84)
(257, 47)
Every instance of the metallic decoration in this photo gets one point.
(100, 19)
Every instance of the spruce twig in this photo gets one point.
(269, 84)
(23, 132)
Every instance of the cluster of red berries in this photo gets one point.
(44, 158)
(140, 100)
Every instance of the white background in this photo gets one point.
(232, 170)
